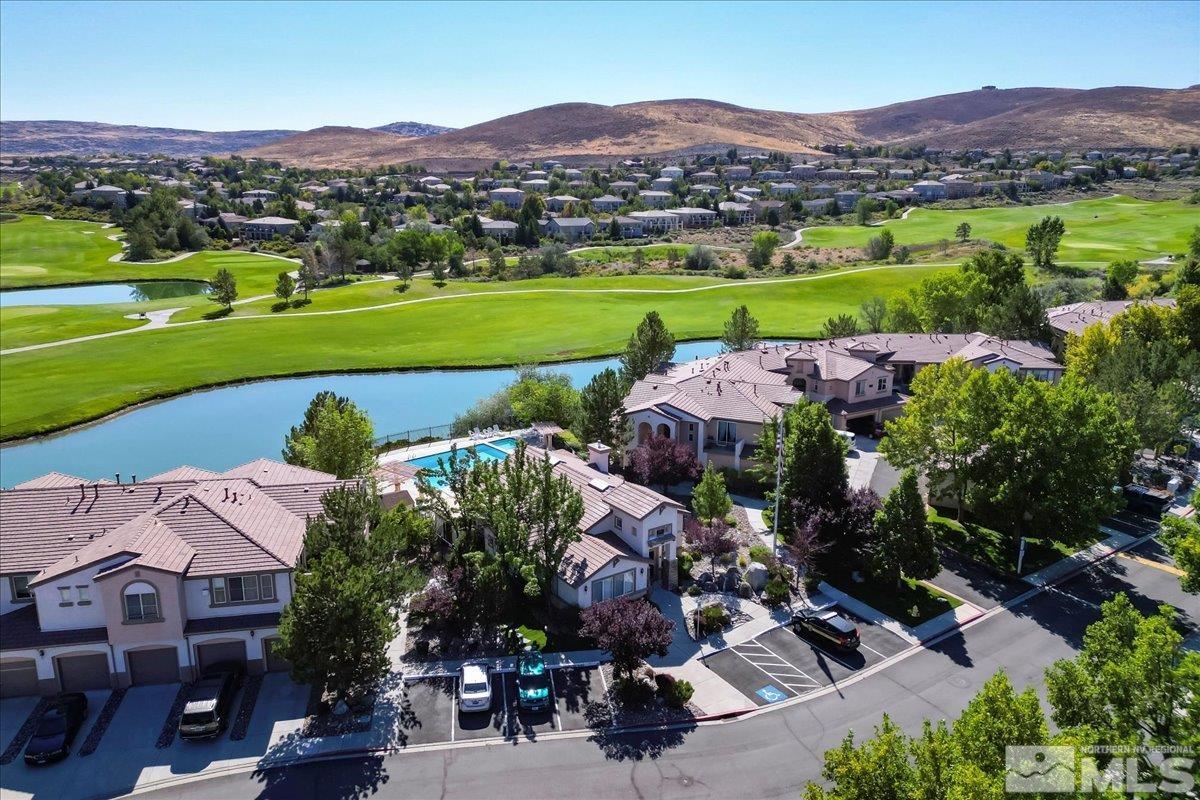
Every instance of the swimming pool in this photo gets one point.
(497, 450)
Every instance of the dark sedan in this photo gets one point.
(56, 729)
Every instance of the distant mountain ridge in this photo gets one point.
(412, 129)
(69, 137)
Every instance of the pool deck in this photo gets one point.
(463, 442)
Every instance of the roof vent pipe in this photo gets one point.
(118, 478)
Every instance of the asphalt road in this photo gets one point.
(770, 754)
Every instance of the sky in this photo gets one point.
(232, 66)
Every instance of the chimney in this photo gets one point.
(598, 454)
(134, 477)
(118, 475)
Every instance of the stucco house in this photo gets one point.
(607, 203)
(656, 221)
(719, 404)
(265, 228)
(107, 584)
(655, 198)
(1073, 319)
(502, 230)
(631, 227)
(513, 198)
(560, 201)
(571, 229)
(695, 217)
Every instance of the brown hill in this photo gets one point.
(1016, 118)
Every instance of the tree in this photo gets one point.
(543, 396)
(224, 288)
(741, 331)
(662, 461)
(762, 247)
(335, 631)
(339, 439)
(710, 500)
(839, 326)
(963, 231)
(700, 257)
(904, 544)
(1117, 278)
(285, 287)
(881, 246)
(601, 403)
(712, 539)
(1133, 683)
(814, 474)
(1181, 538)
(649, 346)
(630, 629)
(309, 273)
(1041, 240)
(873, 312)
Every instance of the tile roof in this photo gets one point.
(51, 480)
(20, 631)
(250, 517)
(1076, 317)
(590, 554)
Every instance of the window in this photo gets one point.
(19, 588)
(726, 432)
(860, 388)
(242, 589)
(617, 523)
(83, 595)
(882, 385)
(141, 603)
(612, 586)
(64, 596)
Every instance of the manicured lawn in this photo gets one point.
(899, 602)
(26, 325)
(997, 550)
(1101, 230)
(53, 388)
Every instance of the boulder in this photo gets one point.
(756, 576)
(731, 579)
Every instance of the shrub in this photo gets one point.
(761, 553)
(700, 258)
(685, 562)
(713, 618)
(735, 272)
(694, 590)
(675, 692)
(777, 592)
(742, 562)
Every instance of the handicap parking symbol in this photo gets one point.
(771, 694)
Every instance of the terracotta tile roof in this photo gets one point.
(591, 553)
(239, 622)
(252, 517)
(19, 630)
(184, 473)
(1076, 317)
(51, 480)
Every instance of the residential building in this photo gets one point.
(108, 584)
(704, 176)
(560, 201)
(607, 203)
(265, 195)
(901, 174)
(671, 173)
(631, 227)
(1074, 318)
(804, 172)
(662, 184)
(657, 221)
(847, 200)
(655, 199)
(513, 198)
(539, 185)
(267, 228)
(785, 189)
(763, 208)
(695, 217)
(718, 405)
(571, 229)
(832, 174)
(623, 188)
(502, 230)
(765, 175)
(930, 191)
(705, 188)
(737, 173)
(822, 190)
(738, 213)
(957, 188)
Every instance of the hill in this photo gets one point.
(412, 129)
(64, 137)
(1017, 118)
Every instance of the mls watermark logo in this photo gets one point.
(1039, 769)
(1127, 770)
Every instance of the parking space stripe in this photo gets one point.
(1149, 562)
(760, 669)
(872, 649)
(790, 664)
(453, 707)
(1088, 603)
(555, 722)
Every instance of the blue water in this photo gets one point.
(484, 450)
(222, 428)
(95, 294)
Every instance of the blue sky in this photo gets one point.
(222, 66)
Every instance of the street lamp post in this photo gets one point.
(778, 479)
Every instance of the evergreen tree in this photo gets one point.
(650, 346)
(741, 331)
(601, 403)
(285, 287)
(904, 544)
(224, 288)
(710, 500)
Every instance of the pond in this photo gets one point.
(221, 428)
(100, 293)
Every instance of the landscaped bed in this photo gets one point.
(900, 602)
(997, 551)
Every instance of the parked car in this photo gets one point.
(56, 729)
(829, 627)
(850, 439)
(533, 682)
(209, 701)
(476, 691)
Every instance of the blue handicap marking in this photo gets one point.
(771, 694)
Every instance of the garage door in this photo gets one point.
(83, 673)
(18, 678)
(275, 662)
(218, 652)
(153, 666)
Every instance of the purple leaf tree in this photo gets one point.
(662, 461)
(629, 629)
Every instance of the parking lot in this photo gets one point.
(429, 710)
(781, 664)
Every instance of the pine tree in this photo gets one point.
(650, 346)
(600, 407)
(741, 331)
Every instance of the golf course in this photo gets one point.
(369, 325)
(1098, 231)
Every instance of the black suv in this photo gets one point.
(829, 627)
(209, 702)
(56, 729)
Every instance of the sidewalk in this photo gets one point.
(1106, 547)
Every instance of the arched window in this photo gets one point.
(643, 432)
(141, 602)
(664, 430)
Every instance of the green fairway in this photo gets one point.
(25, 325)
(1098, 231)
(496, 324)
(35, 251)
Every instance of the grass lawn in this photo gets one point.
(1101, 230)
(624, 254)
(26, 325)
(997, 550)
(50, 389)
(899, 602)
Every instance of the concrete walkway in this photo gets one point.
(1106, 547)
